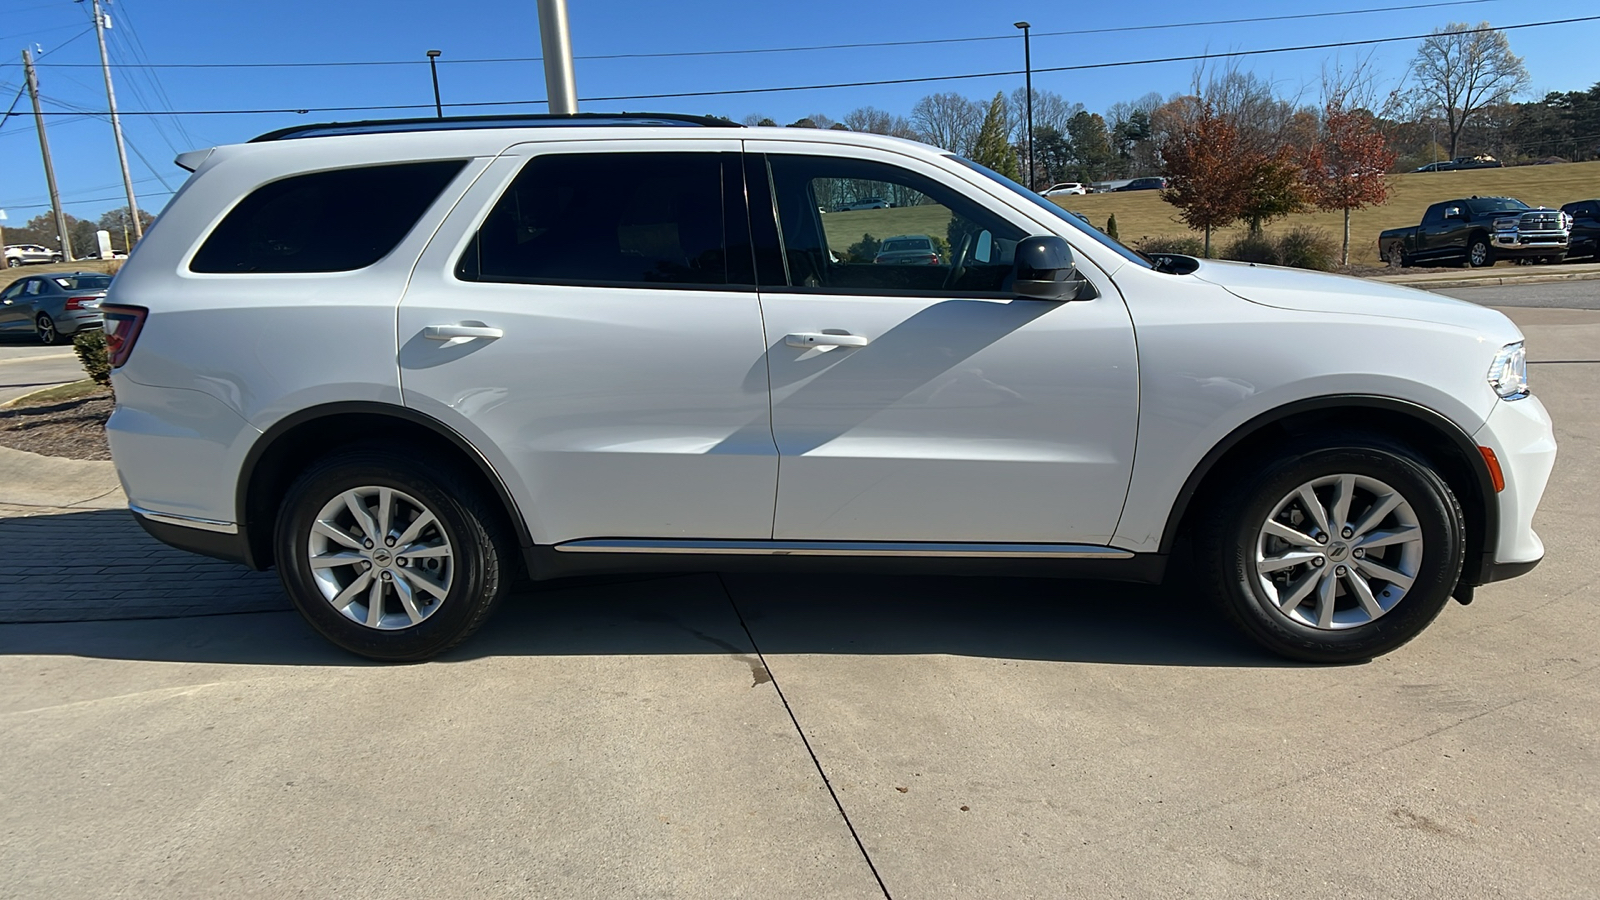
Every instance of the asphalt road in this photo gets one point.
(1562, 294)
(706, 736)
(26, 365)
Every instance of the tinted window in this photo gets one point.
(325, 221)
(837, 250)
(608, 218)
(12, 292)
(1485, 205)
(1434, 215)
(84, 282)
(906, 244)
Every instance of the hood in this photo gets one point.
(1320, 292)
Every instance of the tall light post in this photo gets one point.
(433, 66)
(1027, 69)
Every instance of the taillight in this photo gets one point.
(78, 302)
(122, 327)
(933, 259)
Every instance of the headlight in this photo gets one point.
(1508, 374)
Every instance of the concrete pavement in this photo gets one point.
(687, 736)
(29, 366)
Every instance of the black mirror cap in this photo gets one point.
(1045, 269)
(1044, 258)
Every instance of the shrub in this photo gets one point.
(1184, 245)
(1253, 248)
(864, 250)
(1304, 247)
(1111, 228)
(91, 348)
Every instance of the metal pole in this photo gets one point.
(555, 36)
(49, 167)
(116, 124)
(1027, 69)
(433, 56)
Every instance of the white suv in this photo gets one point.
(403, 360)
(25, 254)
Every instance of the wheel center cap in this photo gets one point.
(1338, 552)
(381, 557)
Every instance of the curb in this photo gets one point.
(17, 401)
(1435, 283)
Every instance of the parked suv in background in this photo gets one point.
(1144, 184)
(1585, 217)
(402, 360)
(26, 254)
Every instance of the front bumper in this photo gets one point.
(1517, 243)
(1522, 437)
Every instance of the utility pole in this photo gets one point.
(49, 167)
(100, 25)
(1027, 69)
(555, 35)
(433, 65)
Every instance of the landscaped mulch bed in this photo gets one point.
(75, 429)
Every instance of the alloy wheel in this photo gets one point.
(380, 558)
(1338, 552)
(47, 330)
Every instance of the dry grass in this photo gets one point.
(108, 266)
(1141, 213)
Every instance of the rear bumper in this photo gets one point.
(209, 540)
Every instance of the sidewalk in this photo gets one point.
(1491, 276)
(73, 553)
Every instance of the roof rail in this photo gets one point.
(393, 126)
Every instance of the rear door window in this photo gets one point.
(641, 219)
(334, 221)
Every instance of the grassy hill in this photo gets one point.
(84, 265)
(1143, 213)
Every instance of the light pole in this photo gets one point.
(1027, 69)
(433, 66)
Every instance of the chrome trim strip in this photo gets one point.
(185, 521)
(844, 548)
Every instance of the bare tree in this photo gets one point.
(948, 120)
(1050, 110)
(1461, 69)
(876, 121)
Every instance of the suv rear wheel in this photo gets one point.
(1335, 553)
(390, 556)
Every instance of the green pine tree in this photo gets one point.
(992, 149)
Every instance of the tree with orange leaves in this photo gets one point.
(1204, 179)
(1347, 168)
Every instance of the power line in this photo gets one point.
(802, 49)
(856, 84)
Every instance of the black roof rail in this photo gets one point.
(395, 126)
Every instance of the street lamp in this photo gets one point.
(433, 66)
(1027, 69)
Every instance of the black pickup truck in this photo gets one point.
(1478, 231)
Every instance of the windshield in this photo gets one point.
(84, 282)
(1496, 204)
(1079, 224)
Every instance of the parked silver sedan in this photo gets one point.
(53, 306)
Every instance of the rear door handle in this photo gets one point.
(460, 332)
(825, 340)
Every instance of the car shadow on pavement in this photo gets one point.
(153, 603)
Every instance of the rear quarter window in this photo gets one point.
(334, 221)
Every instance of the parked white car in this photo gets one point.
(28, 254)
(574, 348)
(1065, 189)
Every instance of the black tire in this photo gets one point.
(45, 328)
(13, 263)
(1227, 539)
(1479, 253)
(482, 560)
(1398, 258)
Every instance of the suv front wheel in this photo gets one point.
(389, 556)
(1335, 553)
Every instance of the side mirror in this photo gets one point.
(1045, 270)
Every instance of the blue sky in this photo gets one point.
(300, 31)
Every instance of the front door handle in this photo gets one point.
(808, 340)
(460, 332)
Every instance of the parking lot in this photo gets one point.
(172, 729)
